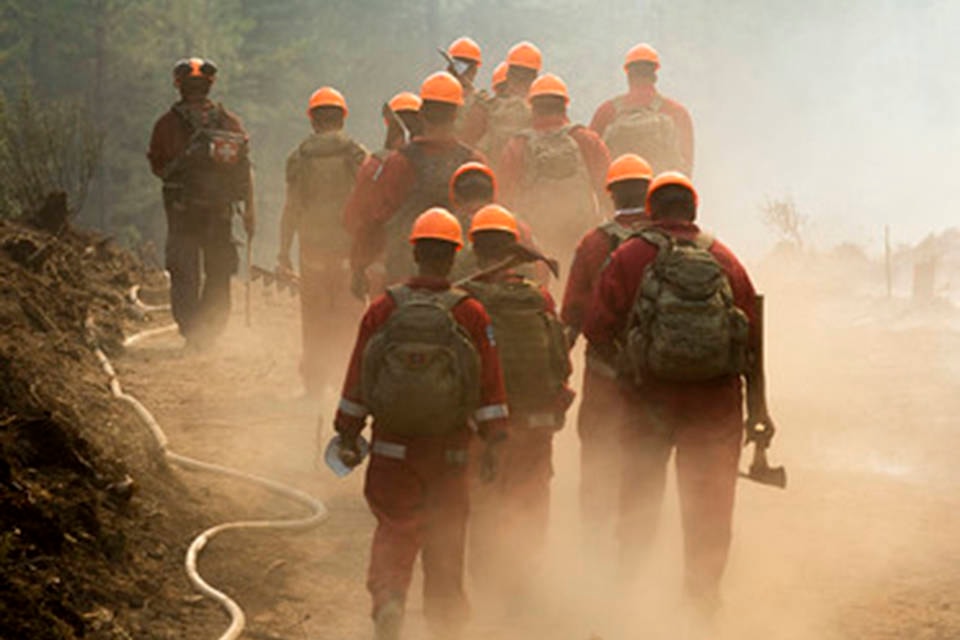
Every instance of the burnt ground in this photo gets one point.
(862, 544)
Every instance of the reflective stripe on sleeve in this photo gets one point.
(491, 412)
(353, 409)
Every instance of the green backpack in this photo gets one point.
(531, 343)
(646, 131)
(421, 371)
(321, 173)
(506, 117)
(684, 326)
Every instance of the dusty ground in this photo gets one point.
(863, 544)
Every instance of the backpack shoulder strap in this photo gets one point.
(660, 239)
(657, 103)
(452, 297)
(400, 293)
(704, 240)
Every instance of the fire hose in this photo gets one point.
(318, 511)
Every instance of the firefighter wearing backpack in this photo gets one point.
(415, 178)
(600, 403)
(509, 525)
(425, 365)
(473, 187)
(201, 152)
(491, 123)
(682, 306)
(320, 175)
(645, 122)
(367, 273)
(554, 171)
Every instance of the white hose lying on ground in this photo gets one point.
(318, 511)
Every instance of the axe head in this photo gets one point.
(761, 472)
(765, 474)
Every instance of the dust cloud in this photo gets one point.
(849, 109)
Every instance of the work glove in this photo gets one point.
(359, 286)
(349, 453)
(759, 429)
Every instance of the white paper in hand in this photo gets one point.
(332, 455)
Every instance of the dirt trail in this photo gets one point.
(862, 545)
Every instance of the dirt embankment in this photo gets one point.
(92, 525)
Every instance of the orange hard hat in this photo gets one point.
(442, 87)
(327, 97)
(194, 68)
(437, 224)
(672, 178)
(468, 167)
(525, 54)
(549, 85)
(642, 53)
(499, 74)
(466, 49)
(405, 101)
(494, 217)
(629, 166)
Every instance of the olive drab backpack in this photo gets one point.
(684, 326)
(646, 131)
(506, 116)
(432, 189)
(421, 371)
(214, 168)
(556, 193)
(320, 174)
(530, 341)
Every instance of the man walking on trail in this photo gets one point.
(645, 122)
(320, 176)
(201, 152)
(424, 365)
(682, 306)
(598, 421)
(415, 178)
(508, 529)
(472, 187)
(554, 171)
(491, 123)
(367, 273)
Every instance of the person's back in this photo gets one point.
(320, 173)
(552, 172)
(645, 122)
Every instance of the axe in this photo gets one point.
(519, 254)
(759, 426)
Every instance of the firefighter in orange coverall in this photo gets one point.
(598, 423)
(367, 274)
(509, 529)
(320, 175)
(643, 121)
(416, 483)
(554, 172)
(201, 191)
(467, 60)
(702, 420)
(414, 178)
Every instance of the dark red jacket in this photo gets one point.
(397, 177)
(620, 280)
(171, 136)
(588, 259)
(641, 95)
(491, 417)
(513, 162)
